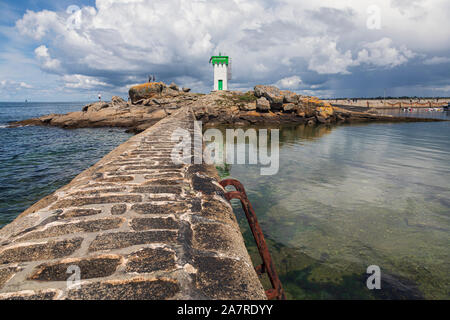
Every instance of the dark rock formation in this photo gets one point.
(271, 93)
(262, 105)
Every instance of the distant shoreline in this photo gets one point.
(391, 103)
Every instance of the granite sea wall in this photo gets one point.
(133, 226)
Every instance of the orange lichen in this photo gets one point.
(324, 108)
(253, 113)
(146, 85)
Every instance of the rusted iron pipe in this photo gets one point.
(267, 266)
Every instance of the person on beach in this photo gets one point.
(99, 97)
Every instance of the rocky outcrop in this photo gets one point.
(272, 94)
(146, 91)
(290, 97)
(116, 113)
(135, 226)
(173, 86)
(266, 104)
(136, 117)
(262, 105)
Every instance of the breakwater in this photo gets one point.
(133, 226)
(391, 103)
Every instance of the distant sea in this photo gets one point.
(35, 161)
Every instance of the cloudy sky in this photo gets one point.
(72, 50)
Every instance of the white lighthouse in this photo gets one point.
(222, 71)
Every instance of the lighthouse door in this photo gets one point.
(220, 84)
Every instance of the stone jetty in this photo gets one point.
(136, 225)
(133, 226)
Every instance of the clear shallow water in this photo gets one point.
(348, 197)
(345, 197)
(35, 161)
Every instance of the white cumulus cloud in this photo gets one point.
(78, 81)
(382, 53)
(293, 83)
(268, 40)
(47, 63)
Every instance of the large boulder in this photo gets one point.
(173, 86)
(271, 93)
(289, 107)
(262, 105)
(168, 91)
(289, 96)
(251, 106)
(146, 91)
(314, 105)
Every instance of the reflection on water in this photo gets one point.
(348, 197)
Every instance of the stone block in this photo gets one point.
(77, 227)
(141, 224)
(96, 267)
(150, 260)
(119, 240)
(41, 251)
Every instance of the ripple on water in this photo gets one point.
(355, 196)
(35, 161)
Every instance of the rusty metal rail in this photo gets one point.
(267, 265)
